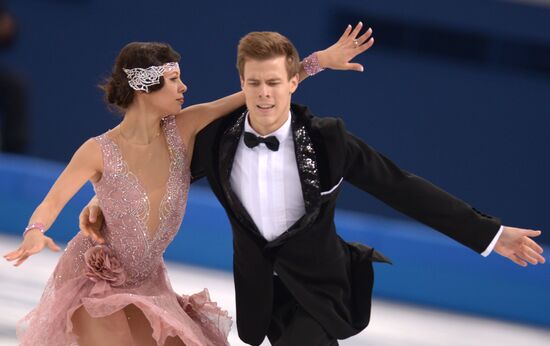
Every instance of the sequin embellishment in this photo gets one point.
(126, 206)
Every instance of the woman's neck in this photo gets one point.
(140, 126)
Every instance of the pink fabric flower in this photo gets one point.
(102, 265)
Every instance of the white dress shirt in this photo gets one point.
(268, 184)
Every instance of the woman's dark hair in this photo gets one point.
(117, 91)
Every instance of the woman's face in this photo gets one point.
(169, 99)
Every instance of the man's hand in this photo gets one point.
(517, 245)
(91, 221)
(339, 55)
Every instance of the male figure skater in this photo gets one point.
(277, 170)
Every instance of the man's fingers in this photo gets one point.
(539, 258)
(99, 237)
(96, 237)
(81, 226)
(533, 245)
(95, 233)
(531, 233)
(517, 260)
(526, 257)
(94, 211)
(84, 213)
(85, 228)
(528, 254)
(516, 244)
(83, 217)
(531, 255)
(89, 231)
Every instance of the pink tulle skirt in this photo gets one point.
(194, 319)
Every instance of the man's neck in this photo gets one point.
(266, 130)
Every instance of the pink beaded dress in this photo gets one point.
(128, 270)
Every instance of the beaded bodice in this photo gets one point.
(126, 206)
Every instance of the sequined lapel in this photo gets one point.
(228, 147)
(307, 165)
(309, 177)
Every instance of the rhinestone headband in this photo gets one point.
(143, 78)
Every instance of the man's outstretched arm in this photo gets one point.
(374, 173)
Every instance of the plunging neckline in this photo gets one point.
(150, 237)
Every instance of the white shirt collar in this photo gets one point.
(281, 133)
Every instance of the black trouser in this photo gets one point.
(13, 113)
(291, 325)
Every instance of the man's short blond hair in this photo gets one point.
(264, 45)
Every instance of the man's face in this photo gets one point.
(268, 91)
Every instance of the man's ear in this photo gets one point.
(242, 82)
(294, 81)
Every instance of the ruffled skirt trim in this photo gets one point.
(195, 319)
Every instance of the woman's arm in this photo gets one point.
(339, 55)
(336, 57)
(85, 165)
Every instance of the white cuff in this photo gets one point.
(491, 246)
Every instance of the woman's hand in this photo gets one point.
(33, 243)
(350, 44)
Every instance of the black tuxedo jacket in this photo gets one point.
(330, 278)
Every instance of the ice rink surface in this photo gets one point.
(392, 324)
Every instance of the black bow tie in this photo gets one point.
(251, 141)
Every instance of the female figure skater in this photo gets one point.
(114, 290)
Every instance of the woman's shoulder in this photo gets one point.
(88, 157)
(105, 137)
(91, 149)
